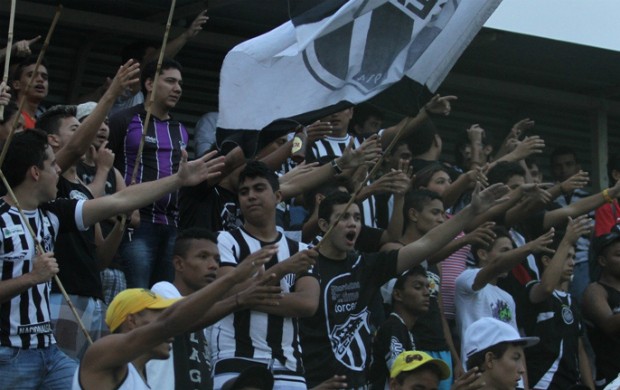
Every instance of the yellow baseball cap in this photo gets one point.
(131, 301)
(411, 360)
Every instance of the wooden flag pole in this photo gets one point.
(9, 49)
(368, 177)
(22, 100)
(149, 104)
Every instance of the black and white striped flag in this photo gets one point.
(340, 53)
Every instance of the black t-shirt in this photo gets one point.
(87, 174)
(428, 327)
(192, 365)
(606, 347)
(553, 363)
(214, 208)
(337, 339)
(391, 339)
(76, 251)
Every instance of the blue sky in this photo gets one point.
(586, 22)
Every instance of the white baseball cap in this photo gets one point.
(487, 332)
(84, 110)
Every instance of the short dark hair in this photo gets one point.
(326, 208)
(26, 62)
(562, 151)
(478, 358)
(613, 163)
(325, 189)
(27, 149)
(49, 121)
(417, 270)
(363, 111)
(423, 176)
(254, 169)
(424, 138)
(503, 171)
(184, 237)
(500, 231)
(148, 71)
(417, 199)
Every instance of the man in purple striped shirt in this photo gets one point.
(148, 250)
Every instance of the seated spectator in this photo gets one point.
(496, 349)
(601, 308)
(417, 370)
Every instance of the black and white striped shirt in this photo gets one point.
(326, 149)
(25, 318)
(253, 334)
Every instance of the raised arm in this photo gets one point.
(439, 105)
(69, 154)
(414, 253)
(105, 362)
(583, 206)
(140, 195)
(553, 271)
(506, 261)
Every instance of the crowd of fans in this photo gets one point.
(234, 272)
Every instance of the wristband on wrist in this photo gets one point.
(606, 196)
(336, 167)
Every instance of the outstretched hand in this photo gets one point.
(197, 25)
(440, 105)
(254, 263)
(127, 76)
(368, 153)
(205, 168)
(260, 292)
(577, 227)
(483, 200)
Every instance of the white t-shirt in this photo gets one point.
(160, 373)
(489, 301)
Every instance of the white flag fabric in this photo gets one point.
(340, 53)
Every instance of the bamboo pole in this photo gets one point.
(40, 250)
(149, 104)
(368, 177)
(22, 100)
(9, 49)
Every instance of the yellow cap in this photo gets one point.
(131, 301)
(410, 360)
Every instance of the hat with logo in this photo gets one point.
(412, 360)
(131, 301)
(487, 332)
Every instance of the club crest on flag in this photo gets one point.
(358, 54)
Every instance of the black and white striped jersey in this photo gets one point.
(326, 149)
(25, 318)
(253, 334)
